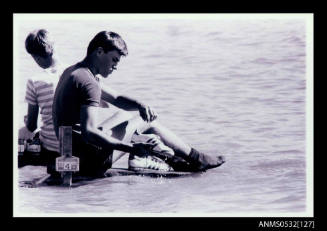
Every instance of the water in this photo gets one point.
(236, 87)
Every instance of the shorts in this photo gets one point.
(50, 159)
(94, 161)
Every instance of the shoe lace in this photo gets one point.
(155, 164)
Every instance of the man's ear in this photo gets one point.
(100, 51)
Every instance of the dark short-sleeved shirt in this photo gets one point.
(77, 86)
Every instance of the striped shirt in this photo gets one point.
(40, 91)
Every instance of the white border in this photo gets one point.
(309, 114)
(19, 18)
(15, 112)
(197, 16)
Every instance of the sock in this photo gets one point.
(203, 161)
(180, 165)
(194, 157)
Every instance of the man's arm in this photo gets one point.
(111, 96)
(32, 115)
(126, 103)
(26, 132)
(30, 119)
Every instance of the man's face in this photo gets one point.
(43, 62)
(108, 62)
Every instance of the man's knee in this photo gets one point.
(153, 127)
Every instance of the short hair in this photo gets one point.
(39, 43)
(109, 41)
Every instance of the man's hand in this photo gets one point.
(25, 134)
(147, 113)
(141, 149)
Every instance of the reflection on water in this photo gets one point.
(230, 87)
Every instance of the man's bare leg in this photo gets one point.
(118, 127)
(198, 160)
(169, 138)
(118, 116)
(125, 130)
(122, 125)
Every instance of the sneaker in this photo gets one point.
(137, 163)
(160, 147)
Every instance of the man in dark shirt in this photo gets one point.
(76, 103)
